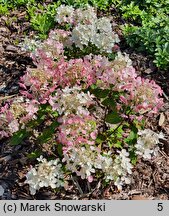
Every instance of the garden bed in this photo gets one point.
(150, 178)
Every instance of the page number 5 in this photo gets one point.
(160, 207)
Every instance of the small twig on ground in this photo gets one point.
(88, 186)
(166, 97)
(7, 97)
(76, 183)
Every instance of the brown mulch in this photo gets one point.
(150, 178)
(13, 61)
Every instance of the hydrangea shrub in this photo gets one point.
(92, 107)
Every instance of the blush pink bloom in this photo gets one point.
(143, 96)
(77, 130)
(90, 178)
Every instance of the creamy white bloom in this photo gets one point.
(30, 44)
(85, 161)
(124, 58)
(118, 170)
(85, 15)
(147, 143)
(122, 169)
(45, 174)
(82, 35)
(71, 100)
(125, 161)
(13, 126)
(81, 161)
(64, 14)
(121, 61)
(118, 183)
(105, 41)
(103, 161)
(103, 25)
(87, 28)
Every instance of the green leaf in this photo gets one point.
(36, 122)
(54, 114)
(100, 138)
(132, 137)
(109, 102)
(34, 155)
(111, 56)
(18, 137)
(48, 110)
(93, 86)
(133, 157)
(100, 93)
(113, 118)
(118, 144)
(48, 133)
(59, 149)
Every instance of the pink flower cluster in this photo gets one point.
(143, 96)
(77, 131)
(61, 36)
(66, 86)
(116, 73)
(54, 71)
(75, 71)
(39, 84)
(7, 119)
(15, 114)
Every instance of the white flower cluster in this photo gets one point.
(85, 15)
(9, 118)
(104, 38)
(64, 14)
(30, 44)
(71, 101)
(147, 143)
(87, 28)
(45, 174)
(61, 36)
(81, 161)
(105, 163)
(122, 167)
(82, 35)
(13, 126)
(118, 169)
(121, 61)
(103, 25)
(84, 162)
